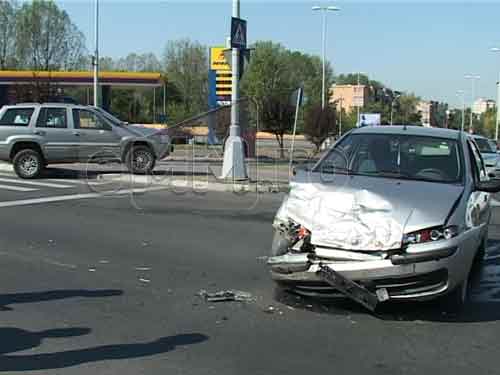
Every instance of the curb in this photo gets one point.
(6, 167)
(196, 184)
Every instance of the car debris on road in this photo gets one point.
(226, 296)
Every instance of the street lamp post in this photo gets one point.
(324, 9)
(341, 99)
(496, 49)
(461, 93)
(96, 56)
(473, 79)
(358, 107)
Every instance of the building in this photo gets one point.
(481, 105)
(427, 110)
(349, 96)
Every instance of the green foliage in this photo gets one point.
(273, 74)
(186, 65)
(46, 39)
(7, 34)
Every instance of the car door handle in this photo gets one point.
(76, 133)
(39, 132)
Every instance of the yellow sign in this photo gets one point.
(217, 59)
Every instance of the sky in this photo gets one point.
(424, 47)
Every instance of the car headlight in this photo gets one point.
(430, 235)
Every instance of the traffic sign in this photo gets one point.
(238, 33)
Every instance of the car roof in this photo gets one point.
(409, 130)
(55, 104)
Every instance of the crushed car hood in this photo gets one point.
(366, 213)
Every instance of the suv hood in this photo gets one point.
(366, 213)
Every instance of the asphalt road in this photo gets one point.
(107, 285)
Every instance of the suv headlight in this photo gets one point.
(430, 235)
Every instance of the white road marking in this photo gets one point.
(33, 183)
(81, 182)
(16, 188)
(142, 268)
(62, 198)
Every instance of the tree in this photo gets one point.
(273, 74)
(7, 34)
(46, 39)
(186, 64)
(319, 124)
(277, 116)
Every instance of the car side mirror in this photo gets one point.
(490, 186)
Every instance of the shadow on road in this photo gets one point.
(15, 339)
(30, 297)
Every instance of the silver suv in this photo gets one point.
(34, 135)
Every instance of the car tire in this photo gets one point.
(28, 164)
(140, 160)
(456, 299)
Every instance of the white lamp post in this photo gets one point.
(496, 49)
(473, 78)
(461, 93)
(325, 10)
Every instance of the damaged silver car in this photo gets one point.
(389, 213)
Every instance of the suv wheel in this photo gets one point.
(28, 164)
(140, 160)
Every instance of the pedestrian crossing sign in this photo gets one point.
(238, 33)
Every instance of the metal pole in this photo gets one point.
(154, 105)
(323, 83)
(96, 56)
(463, 112)
(498, 109)
(340, 118)
(234, 155)
(165, 100)
(392, 110)
(472, 105)
(357, 116)
(297, 106)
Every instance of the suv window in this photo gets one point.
(88, 120)
(52, 118)
(17, 117)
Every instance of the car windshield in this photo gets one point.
(484, 145)
(396, 156)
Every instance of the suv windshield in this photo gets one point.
(114, 120)
(396, 156)
(485, 147)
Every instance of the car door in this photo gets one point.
(97, 137)
(59, 143)
(479, 207)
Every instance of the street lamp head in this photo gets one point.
(333, 9)
(495, 49)
(316, 8)
(472, 76)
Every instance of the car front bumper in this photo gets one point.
(423, 272)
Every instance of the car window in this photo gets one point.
(479, 169)
(52, 118)
(396, 156)
(17, 117)
(84, 119)
(484, 146)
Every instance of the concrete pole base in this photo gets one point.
(234, 167)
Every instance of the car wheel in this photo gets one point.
(28, 164)
(455, 300)
(140, 160)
